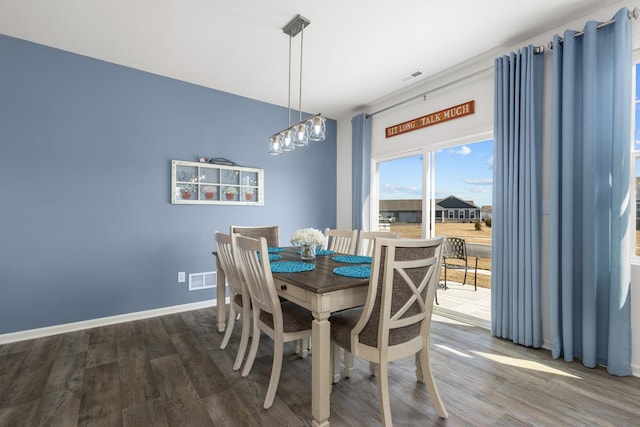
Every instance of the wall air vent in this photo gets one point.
(202, 280)
(412, 75)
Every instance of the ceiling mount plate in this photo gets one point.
(296, 25)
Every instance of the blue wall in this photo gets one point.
(86, 225)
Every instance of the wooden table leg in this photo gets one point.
(320, 370)
(221, 296)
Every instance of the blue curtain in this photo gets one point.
(590, 196)
(515, 283)
(361, 170)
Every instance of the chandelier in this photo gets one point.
(309, 129)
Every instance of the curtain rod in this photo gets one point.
(632, 14)
(424, 94)
(536, 50)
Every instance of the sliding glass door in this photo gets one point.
(448, 193)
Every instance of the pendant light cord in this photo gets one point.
(289, 86)
(301, 50)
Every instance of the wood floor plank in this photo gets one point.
(9, 365)
(128, 329)
(100, 405)
(76, 342)
(137, 384)
(182, 404)
(29, 382)
(18, 415)
(174, 324)
(102, 346)
(149, 413)
(227, 408)
(16, 347)
(157, 340)
(60, 403)
(203, 328)
(204, 374)
(102, 353)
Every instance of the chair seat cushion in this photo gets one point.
(294, 318)
(341, 325)
(237, 300)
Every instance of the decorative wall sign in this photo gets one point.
(441, 116)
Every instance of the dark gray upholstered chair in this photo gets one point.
(271, 233)
(366, 242)
(238, 295)
(396, 318)
(281, 321)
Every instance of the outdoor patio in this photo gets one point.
(461, 302)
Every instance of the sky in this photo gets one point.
(465, 171)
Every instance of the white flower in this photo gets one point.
(308, 236)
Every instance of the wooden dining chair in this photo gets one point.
(341, 241)
(281, 321)
(240, 300)
(366, 240)
(270, 232)
(396, 318)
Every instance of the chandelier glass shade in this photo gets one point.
(310, 129)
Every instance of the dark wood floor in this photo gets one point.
(168, 371)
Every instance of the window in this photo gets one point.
(400, 183)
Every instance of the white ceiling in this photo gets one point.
(355, 51)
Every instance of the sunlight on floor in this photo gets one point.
(451, 350)
(526, 364)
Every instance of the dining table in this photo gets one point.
(322, 292)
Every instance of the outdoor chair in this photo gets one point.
(455, 248)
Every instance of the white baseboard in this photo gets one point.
(103, 321)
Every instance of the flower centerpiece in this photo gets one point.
(230, 192)
(308, 239)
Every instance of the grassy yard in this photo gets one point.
(465, 231)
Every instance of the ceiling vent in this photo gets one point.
(412, 75)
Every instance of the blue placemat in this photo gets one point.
(291, 267)
(353, 259)
(272, 257)
(358, 271)
(274, 250)
(324, 252)
(320, 252)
